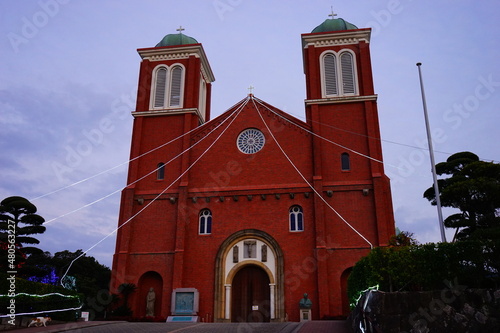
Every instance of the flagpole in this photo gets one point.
(431, 153)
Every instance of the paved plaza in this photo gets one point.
(126, 327)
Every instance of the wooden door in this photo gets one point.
(250, 295)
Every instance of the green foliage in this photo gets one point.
(90, 277)
(427, 267)
(125, 289)
(403, 238)
(473, 187)
(31, 303)
(18, 218)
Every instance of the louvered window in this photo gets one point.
(347, 68)
(175, 86)
(330, 68)
(339, 74)
(167, 87)
(160, 87)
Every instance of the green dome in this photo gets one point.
(334, 25)
(176, 39)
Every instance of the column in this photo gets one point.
(271, 293)
(227, 311)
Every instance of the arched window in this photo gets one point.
(330, 67)
(338, 74)
(160, 87)
(345, 162)
(167, 87)
(347, 67)
(175, 86)
(296, 218)
(205, 220)
(160, 171)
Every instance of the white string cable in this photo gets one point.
(237, 111)
(43, 295)
(332, 142)
(310, 185)
(32, 313)
(379, 139)
(146, 175)
(121, 164)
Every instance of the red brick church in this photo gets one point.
(254, 208)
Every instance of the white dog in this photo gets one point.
(39, 321)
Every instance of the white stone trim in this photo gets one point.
(341, 99)
(171, 56)
(167, 112)
(227, 310)
(270, 263)
(336, 38)
(272, 288)
(179, 52)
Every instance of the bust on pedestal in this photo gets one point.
(305, 305)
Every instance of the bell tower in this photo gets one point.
(173, 99)
(341, 108)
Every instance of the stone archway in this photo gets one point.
(244, 249)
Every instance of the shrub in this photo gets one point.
(427, 267)
(35, 302)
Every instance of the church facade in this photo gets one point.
(253, 208)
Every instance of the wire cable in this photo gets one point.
(328, 140)
(384, 140)
(238, 111)
(121, 164)
(309, 184)
(141, 178)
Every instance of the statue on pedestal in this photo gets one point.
(305, 303)
(150, 303)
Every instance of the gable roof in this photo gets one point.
(260, 106)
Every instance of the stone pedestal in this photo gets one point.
(305, 314)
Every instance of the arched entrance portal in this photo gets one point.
(249, 278)
(250, 297)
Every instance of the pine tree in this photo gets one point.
(473, 187)
(18, 222)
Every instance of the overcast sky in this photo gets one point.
(69, 71)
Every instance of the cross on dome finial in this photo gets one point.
(332, 15)
(180, 29)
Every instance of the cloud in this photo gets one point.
(66, 95)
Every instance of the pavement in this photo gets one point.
(334, 326)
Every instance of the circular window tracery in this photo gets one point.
(250, 141)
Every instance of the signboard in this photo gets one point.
(85, 315)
